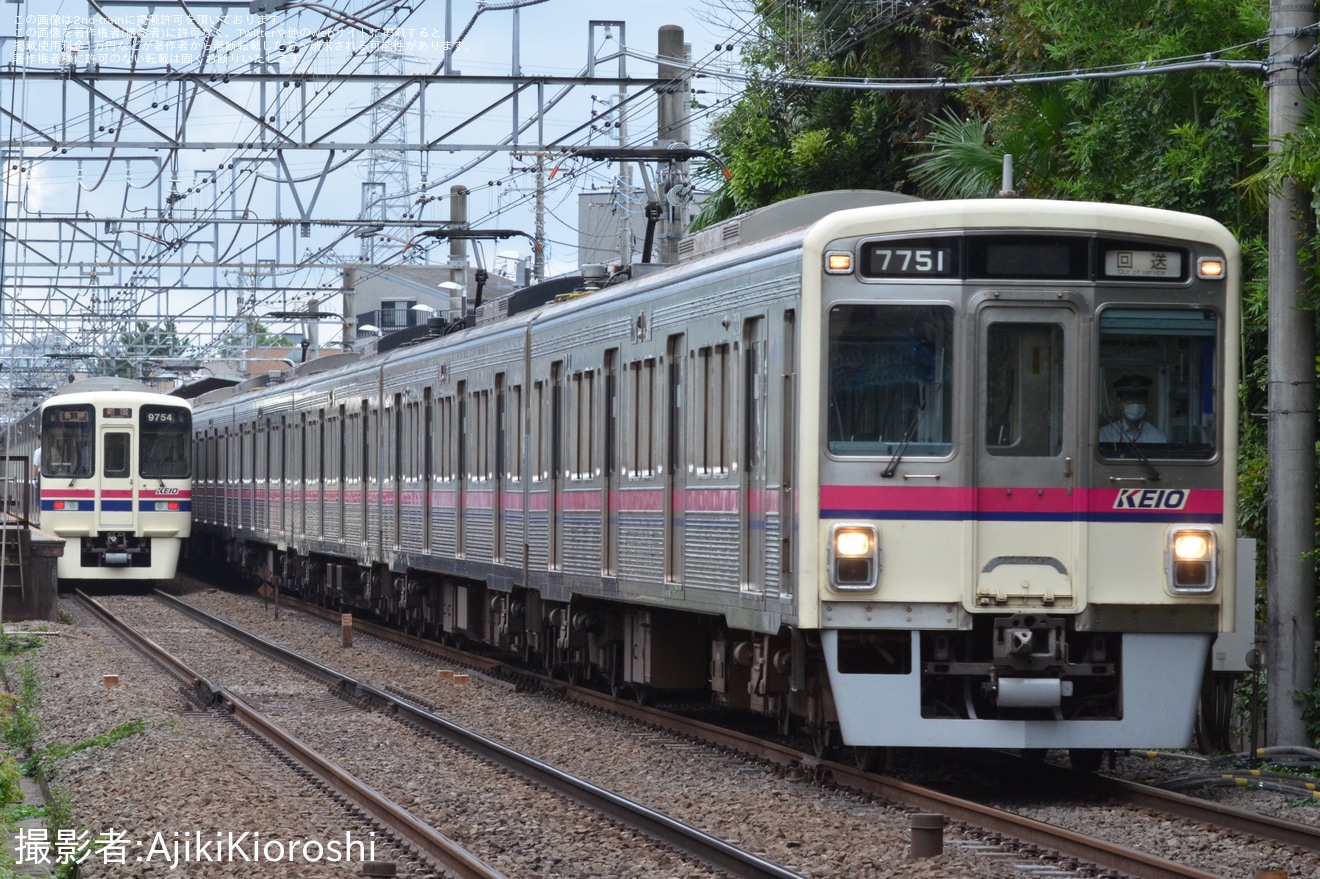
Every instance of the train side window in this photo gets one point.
(538, 437)
(444, 439)
(639, 444)
(582, 425)
(515, 434)
(481, 435)
(711, 445)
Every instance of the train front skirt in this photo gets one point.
(885, 709)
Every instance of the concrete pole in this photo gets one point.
(538, 251)
(458, 253)
(313, 336)
(672, 112)
(1292, 429)
(350, 305)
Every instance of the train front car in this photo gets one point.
(1025, 486)
(116, 480)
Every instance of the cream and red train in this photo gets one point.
(842, 465)
(112, 476)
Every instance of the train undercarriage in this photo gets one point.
(628, 650)
(1020, 667)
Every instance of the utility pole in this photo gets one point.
(1290, 635)
(458, 253)
(538, 246)
(349, 317)
(672, 111)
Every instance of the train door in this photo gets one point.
(115, 512)
(555, 502)
(300, 489)
(366, 526)
(233, 475)
(397, 476)
(497, 486)
(428, 465)
(339, 443)
(752, 497)
(261, 483)
(674, 460)
(280, 480)
(1027, 443)
(788, 418)
(609, 490)
(224, 481)
(247, 462)
(461, 466)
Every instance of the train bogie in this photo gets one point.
(881, 474)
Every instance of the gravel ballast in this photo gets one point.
(180, 774)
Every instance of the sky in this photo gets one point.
(50, 276)
(555, 38)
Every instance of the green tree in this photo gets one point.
(140, 349)
(783, 139)
(1181, 141)
(255, 335)
(1191, 140)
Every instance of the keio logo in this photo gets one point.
(1151, 499)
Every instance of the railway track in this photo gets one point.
(997, 823)
(724, 858)
(442, 851)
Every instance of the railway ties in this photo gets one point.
(492, 821)
(1021, 844)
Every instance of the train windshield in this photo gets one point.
(1156, 377)
(66, 441)
(890, 380)
(166, 442)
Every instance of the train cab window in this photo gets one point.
(166, 433)
(1155, 383)
(67, 441)
(890, 380)
(1024, 389)
(115, 453)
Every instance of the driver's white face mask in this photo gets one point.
(1134, 411)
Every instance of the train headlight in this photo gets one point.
(67, 506)
(1192, 561)
(854, 557)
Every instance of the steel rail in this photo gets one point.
(1076, 845)
(683, 837)
(444, 851)
(1302, 836)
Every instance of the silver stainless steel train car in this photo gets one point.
(114, 478)
(955, 474)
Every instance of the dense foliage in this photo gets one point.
(1192, 140)
(784, 138)
(1185, 140)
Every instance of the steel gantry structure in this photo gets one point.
(173, 171)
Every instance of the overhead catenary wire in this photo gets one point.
(192, 219)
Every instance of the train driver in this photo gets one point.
(1131, 425)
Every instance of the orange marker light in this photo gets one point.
(1210, 268)
(838, 262)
